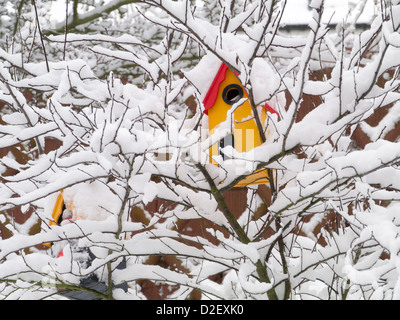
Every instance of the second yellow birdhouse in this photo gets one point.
(224, 92)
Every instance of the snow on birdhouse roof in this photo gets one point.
(202, 75)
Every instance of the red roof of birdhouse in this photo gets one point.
(212, 93)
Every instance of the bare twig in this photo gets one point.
(41, 35)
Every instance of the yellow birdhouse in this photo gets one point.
(59, 212)
(83, 201)
(224, 92)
